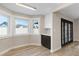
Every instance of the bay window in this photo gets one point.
(22, 26)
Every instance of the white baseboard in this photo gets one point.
(52, 51)
(1, 53)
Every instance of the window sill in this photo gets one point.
(4, 37)
(20, 35)
(26, 34)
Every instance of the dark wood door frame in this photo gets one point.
(63, 31)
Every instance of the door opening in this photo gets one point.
(66, 32)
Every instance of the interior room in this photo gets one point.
(23, 26)
(39, 29)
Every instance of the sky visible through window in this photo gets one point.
(22, 22)
(3, 19)
(21, 26)
(3, 25)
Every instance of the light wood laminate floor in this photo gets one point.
(69, 50)
(29, 51)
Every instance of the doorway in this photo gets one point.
(66, 32)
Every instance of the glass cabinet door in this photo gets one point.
(63, 33)
(66, 37)
(69, 31)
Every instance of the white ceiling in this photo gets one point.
(71, 11)
(42, 8)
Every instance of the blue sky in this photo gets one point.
(3, 19)
(22, 21)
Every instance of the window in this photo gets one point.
(21, 26)
(36, 26)
(3, 26)
(24, 26)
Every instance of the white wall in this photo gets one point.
(76, 30)
(48, 20)
(57, 30)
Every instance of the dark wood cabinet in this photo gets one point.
(46, 41)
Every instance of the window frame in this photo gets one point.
(38, 19)
(25, 19)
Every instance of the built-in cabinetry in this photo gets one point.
(46, 41)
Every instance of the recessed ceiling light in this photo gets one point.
(26, 6)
